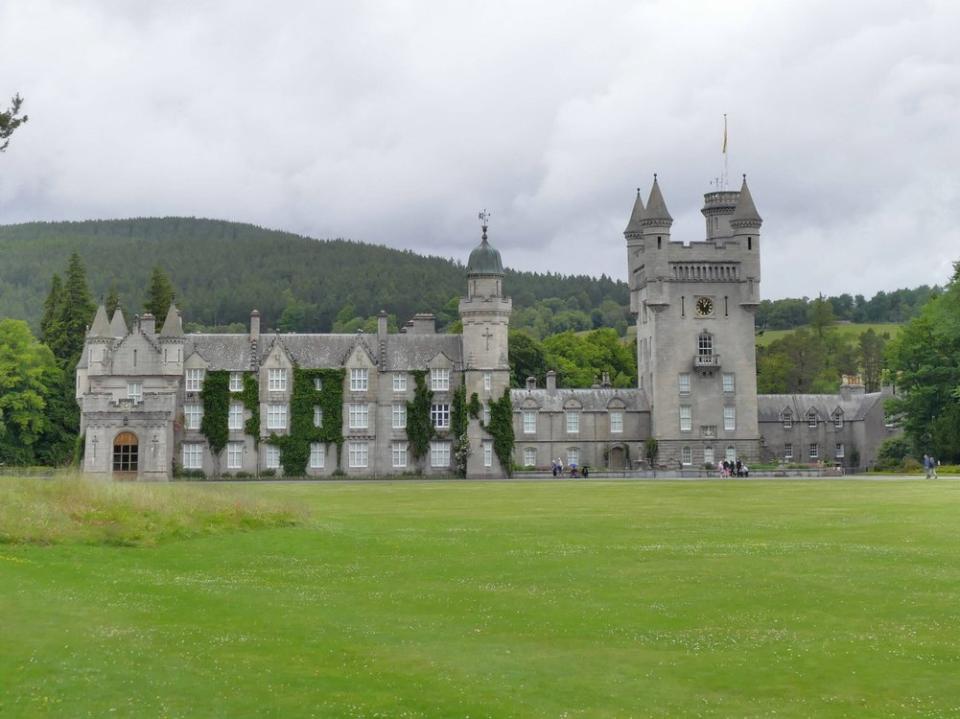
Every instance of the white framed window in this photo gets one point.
(686, 418)
(192, 455)
(359, 380)
(399, 415)
(135, 392)
(358, 415)
(838, 420)
(530, 457)
(236, 381)
(573, 456)
(729, 382)
(708, 455)
(488, 454)
(705, 344)
(838, 453)
(440, 416)
(317, 384)
(399, 382)
(439, 454)
(234, 455)
(194, 380)
(276, 416)
(731, 455)
(277, 380)
(357, 453)
(440, 380)
(814, 450)
(529, 421)
(486, 414)
(812, 419)
(399, 454)
(487, 381)
(788, 420)
(235, 418)
(686, 456)
(271, 457)
(616, 421)
(318, 455)
(683, 382)
(317, 415)
(729, 418)
(192, 415)
(573, 421)
(788, 450)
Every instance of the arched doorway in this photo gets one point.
(126, 455)
(618, 458)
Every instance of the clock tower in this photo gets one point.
(694, 304)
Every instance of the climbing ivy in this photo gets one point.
(419, 427)
(459, 420)
(250, 396)
(475, 407)
(216, 408)
(501, 429)
(295, 446)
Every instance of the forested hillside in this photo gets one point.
(221, 270)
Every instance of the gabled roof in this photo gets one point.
(770, 407)
(656, 207)
(172, 326)
(101, 325)
(554, 400)
(634, 226)
(746, 212)
(118, 326)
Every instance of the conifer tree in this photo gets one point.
(113, 300)
(51, 310)
(67, 333)
(10, 121)
(159, 294)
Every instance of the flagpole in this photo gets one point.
(723, 181)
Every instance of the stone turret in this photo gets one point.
(171, 341)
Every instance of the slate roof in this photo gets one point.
(856, 407)
(746, 211)
(118, 325)
(656, 207)
(101, 325)
(634, 225)
(553, 400)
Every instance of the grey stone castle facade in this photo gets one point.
(139, 387)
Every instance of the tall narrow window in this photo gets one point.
(318, 455)
(684, 382)
(399, 453)
(192, 416)
(573, 421)
(616, 422)
(487, 381)
(271, 457)
(399, 382)
(235, 418)
(729, 384)
(529, 421)
(686, 456)
(317, 416)
(729, 418)
(686, 418)
(358, 415)
(135, 392)
(236, 381)
(705, 344)
(399, 415)
(234, 455)
(440, 416)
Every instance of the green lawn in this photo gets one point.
(456, 599)
(851, 329)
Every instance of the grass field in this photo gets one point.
(457, 599)
(852, 329)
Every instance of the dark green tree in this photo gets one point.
(526, 358)
(10, 120)
(113, 300)
(871, 349)
(68, 332)
(52, 310)
(159, 294)
(821, 316)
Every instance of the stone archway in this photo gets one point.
(618, 458)
(126, 456)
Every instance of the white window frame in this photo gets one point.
(488, 454)
(788, 450)
(486, 414)
(235, 417)
(529, 421)
(318, 455)
(573, 456)
(317, 384)
(839, 451)
(686, 456)
(271, 457)
(573, 421)
(616, 421)
(358, 455)
(683, 383)
(788, 420)
(192, 415)
(276, 416)
(236, 381)
(729, 419)
(192, 455)
(686, 418)
(812, 419)
(194, 379)
(135, 392)
(277, 379)
(399, 415)
(708, 455)
(317, 416)
(530, 457)
(487, 381)
(359, 379)
(234, 455)
(731, 453)
(729, 382)
(838, 420)
(440, 415)
(399, 455)
(399, 382)
(814, 450)
(439, 454)
(359, 415)
(440, 379)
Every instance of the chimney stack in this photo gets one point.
(551, 380)
(255, 325)
(148, 324)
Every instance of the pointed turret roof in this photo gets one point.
(746, 211)
(656, 207)
(101, 325)
(118, 325)
(171, 325)
(636, 216)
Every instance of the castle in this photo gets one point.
(142, 409)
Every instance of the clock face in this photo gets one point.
(704, 306)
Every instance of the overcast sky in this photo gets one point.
(394, 123)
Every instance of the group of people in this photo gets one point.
(734, 469)
(558, 469)
(930, 466)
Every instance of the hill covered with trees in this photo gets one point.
(221, 270)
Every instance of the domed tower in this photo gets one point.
(485, 314)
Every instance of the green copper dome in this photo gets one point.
(484, 260)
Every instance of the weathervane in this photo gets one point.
(484, 218)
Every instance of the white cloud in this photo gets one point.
(396, 122)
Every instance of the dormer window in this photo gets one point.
(838, 419)
(440, 380)
(787, 419)
(812, 419)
